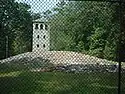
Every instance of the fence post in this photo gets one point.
(120, 48)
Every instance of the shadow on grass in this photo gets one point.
(94, 83)
(22, 84)
(59, 83)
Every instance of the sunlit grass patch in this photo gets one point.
(10, 74)
(103, 86)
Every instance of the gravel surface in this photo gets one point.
(60, 57)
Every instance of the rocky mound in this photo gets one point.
(57, 60)
(60, 57)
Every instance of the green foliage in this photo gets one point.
(36, 16)
(88, 27)
(16, 23)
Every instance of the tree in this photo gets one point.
(16, 21)
(90, 25)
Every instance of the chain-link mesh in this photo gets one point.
(60, 47)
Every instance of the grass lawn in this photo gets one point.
(59, 83)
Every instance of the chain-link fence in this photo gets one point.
(62, 47)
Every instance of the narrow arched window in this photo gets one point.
(38, 36)
(44, 46)
(46, 27)
(41, 26)
(36, 26)
(44, 37)
(38, 45)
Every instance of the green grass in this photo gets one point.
(59, 83)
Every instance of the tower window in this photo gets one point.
(44, 46)
(46, 27)
(37, 45)
(44, 37)
(36, 27)
(41, 26)
(38, 36)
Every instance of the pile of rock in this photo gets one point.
(62, 61)
(77, 68)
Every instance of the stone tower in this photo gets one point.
(41, 35)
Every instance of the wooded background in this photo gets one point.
(89, 27)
